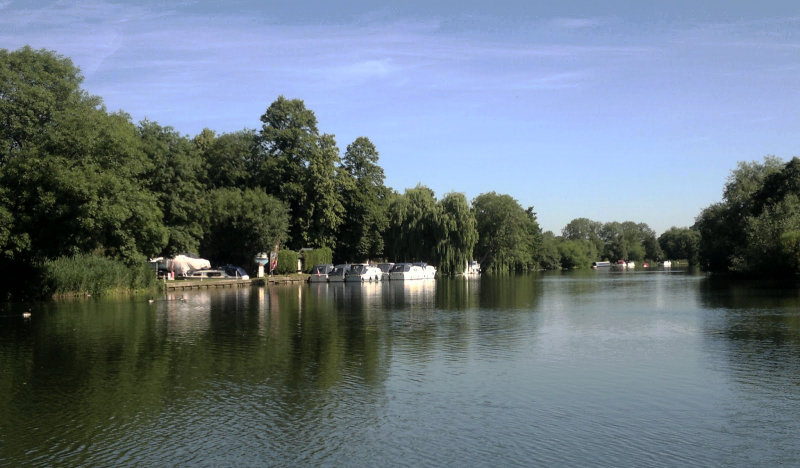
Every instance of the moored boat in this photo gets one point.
(319, 274)
(385, 268)
(405, 272)
(361, 272)
(338, 273)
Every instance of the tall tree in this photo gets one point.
(173, 176)
(295, 159)
(584, 228)
(723, 226)
(35, 87)
(242, 223)
(456, 233)
(413, 216)
(508, 235)
(680, 243)
(365, 202)
(232, 159)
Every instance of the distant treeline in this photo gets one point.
(76, 179)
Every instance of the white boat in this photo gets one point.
(473, 268)
(319, 274)
(405, 272)
(385, 268)
(667, 264)
(361, 272)
(428, 271)
(214, 274)
(631, 265)
(337, 274)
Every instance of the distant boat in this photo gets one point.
(631, 265)
(601, 264)
(667, 264)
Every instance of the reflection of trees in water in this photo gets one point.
(288, 352)
(761, 313)
(514, 291)
(755, 326)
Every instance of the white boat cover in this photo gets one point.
(181, 265)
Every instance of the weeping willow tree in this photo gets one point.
(456, 232)
(411, 236)
(424, 229)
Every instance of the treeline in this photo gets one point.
(755, 229)
(77, 179)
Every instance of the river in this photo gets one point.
(589, 368)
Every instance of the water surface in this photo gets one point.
(640, 369)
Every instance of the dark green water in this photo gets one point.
(639, 369)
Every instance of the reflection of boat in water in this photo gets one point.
(319, 274)
(363, 272)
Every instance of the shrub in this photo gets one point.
(316, 257)
(287, 262)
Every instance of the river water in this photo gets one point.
(590, 368)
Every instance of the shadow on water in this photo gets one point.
(755, 326)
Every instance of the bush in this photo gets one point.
(92, 274)
(287, 262)
(316, 257)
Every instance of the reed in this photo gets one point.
(94, 275)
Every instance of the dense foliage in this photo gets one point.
(77, 181)
(756, 228)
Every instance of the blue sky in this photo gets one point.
(613, 111)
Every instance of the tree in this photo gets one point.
(79, 191)
(365, 203)
(35, 87)
(723, 226)
(549, 255)
(297, 165)
(680, 243)
(456, 233)
(242, 223)
(231, 159)
(508, 235)
(584, 228)
(575, 253)
(411, 235)
(173, 176)
(322, 211)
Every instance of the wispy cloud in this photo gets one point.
(574, 23)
